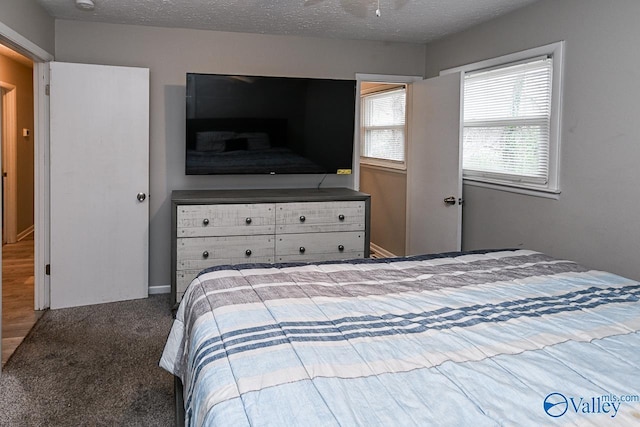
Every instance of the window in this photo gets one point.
(511, 121)
(384, 127)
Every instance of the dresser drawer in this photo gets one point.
(201, 252)
(215, 227)
(225, 220)
(320, 246)
(320, 217)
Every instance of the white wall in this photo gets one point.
(597, 219)
(171, 53)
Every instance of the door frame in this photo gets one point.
(380, 78)
(409, 81)
(40, 58)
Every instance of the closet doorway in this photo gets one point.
(383, 172)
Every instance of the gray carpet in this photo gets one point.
(92, 366)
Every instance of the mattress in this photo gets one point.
(510, 337)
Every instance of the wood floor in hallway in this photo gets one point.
(18, 315)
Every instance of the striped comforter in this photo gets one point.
(482, 339)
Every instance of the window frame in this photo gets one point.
(552, 188)
(375, 161)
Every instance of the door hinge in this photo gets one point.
(47, 89)
(47, 269)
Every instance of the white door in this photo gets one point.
(434, 166)
(99, 183)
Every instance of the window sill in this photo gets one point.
(547, 194)
(389, 167)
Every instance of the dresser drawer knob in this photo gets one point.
(302, 218)
(205, 221)
(341, 217)
(302, 249)
(247, 252)
(341, 248)
(205, 254)
(248, 220)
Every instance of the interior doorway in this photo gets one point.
(432, 138)
(17, 125)
(383, 172)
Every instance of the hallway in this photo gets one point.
(18, 315)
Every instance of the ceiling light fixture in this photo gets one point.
(85, 4)
(378, 10)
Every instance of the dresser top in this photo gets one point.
(265, 195)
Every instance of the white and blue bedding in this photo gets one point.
(485, 338)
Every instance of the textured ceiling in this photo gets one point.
(401, 20)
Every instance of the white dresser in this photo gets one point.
(215, 227)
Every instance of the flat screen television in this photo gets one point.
(269, 125)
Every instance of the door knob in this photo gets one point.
(451, 200)
(141, 197)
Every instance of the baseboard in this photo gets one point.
(160, 289)
(381, 252)
(22, 235)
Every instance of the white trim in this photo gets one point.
(387, 78)
(384, 164)
(23, 234)
(385, 253)
(355, 173)
(10, 159)
(504, 59)
(23, 45)
(517, 190)
(382, 88)
(41, 184)
(556, 49)
(159, 289)
(40, 57)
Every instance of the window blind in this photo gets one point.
(383, 125)
(507, 114)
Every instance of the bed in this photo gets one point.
(508, 337)
(245, 145)
(259, 161)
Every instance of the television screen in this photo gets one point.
(269, 125)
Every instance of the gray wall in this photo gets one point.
(597, 219)
(30, 20)
(171, 53)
